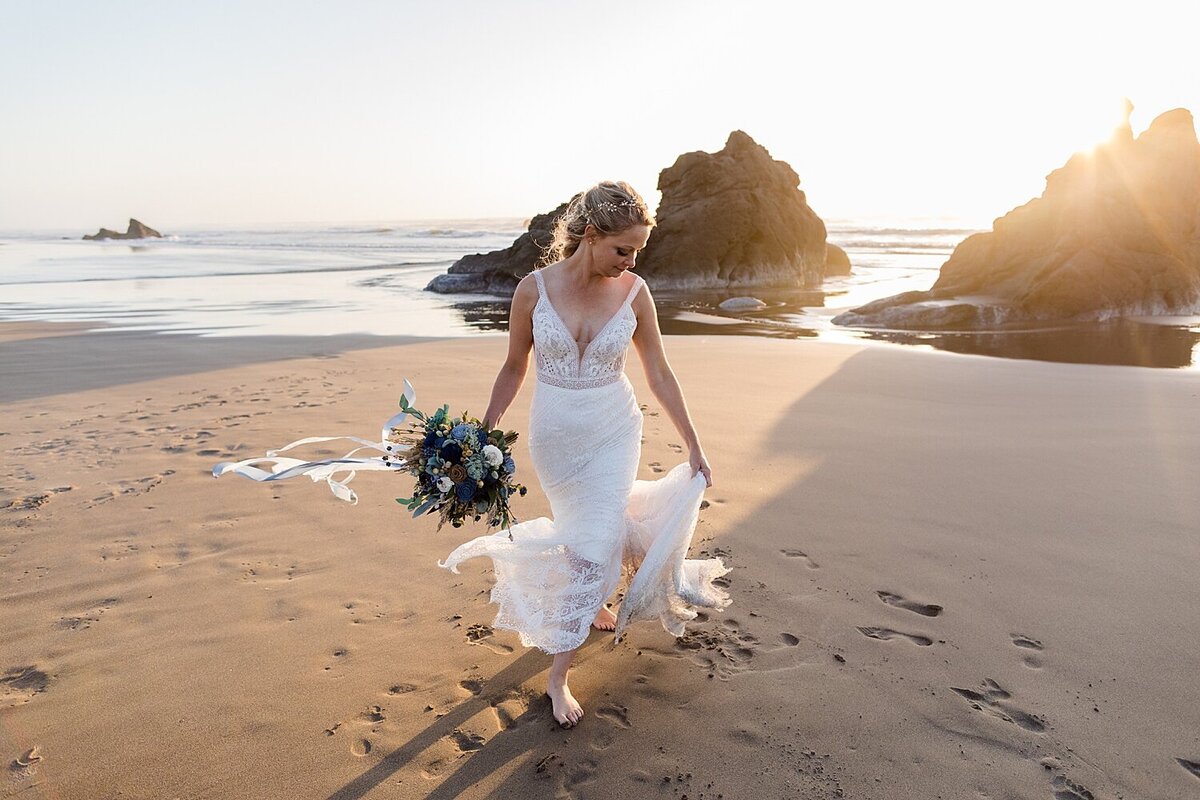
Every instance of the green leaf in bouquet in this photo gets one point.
(426, 506)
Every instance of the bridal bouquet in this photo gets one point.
(462, 469)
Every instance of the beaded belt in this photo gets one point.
(578, 383)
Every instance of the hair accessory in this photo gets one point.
(611, 206)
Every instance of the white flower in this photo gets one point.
(492, 455)
(444, 483)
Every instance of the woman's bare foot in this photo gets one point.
(605, 619)
(566, 709)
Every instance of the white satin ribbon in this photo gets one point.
(327, 469)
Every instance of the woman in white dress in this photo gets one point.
(578, 314)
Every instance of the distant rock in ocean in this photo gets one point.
(731, 219)
(1115, 233)
(836, 261)
(136, 231)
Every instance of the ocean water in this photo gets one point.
(369, 279)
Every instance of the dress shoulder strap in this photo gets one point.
(637, 287)
(537, 277)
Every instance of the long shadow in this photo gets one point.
(500, 749)
(51, 365)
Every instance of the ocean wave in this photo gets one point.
(918, 232)
(442, 264)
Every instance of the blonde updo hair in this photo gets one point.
(611, 207)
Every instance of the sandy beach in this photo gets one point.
(953, 577)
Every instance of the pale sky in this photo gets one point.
(255, 112)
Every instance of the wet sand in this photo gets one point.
(952, 576)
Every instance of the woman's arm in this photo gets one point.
(520, 342)
(648, 340)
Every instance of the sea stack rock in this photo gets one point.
(499, 271)
(1116, 232)
(731, 219)
(734, 218)
(136, 230)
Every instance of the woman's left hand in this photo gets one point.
(700, 464)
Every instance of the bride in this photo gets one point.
(579, 314)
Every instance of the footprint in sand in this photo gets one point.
(401, 688)
(724, 651)
(579, 775)
(885, 634)
(1066, 789)
(133, 487)
(511, 708)
(372, 715)
(88, 616)
(471, 686)
(655, 466)
(33, 502)
(339, 653)
(992, 701)
(25, 765)
(893, 599)
(482, 635)
(1028, 643)
(466, 742)
(602, 741)
(617, 715)
(361, 747)
(19, 684)
(801, 554)
(544, 766)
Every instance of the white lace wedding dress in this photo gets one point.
(585, 430)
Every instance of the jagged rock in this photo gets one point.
(734, 218)
(499, 271)
(727, 220)
(136, 230)
(741, 304)
(1116, 232)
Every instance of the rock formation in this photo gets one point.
(1116, 232)
(731, 219)
(499, 271)
(136, 230)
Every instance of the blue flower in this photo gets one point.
(510, 466)
(481, 437)
(452, 452)
(460, 431)
(465, 491)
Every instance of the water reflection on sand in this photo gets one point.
(1170, 342)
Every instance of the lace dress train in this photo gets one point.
(608, 528)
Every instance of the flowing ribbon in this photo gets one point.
(327, 469)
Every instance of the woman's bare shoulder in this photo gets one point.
(526, 292)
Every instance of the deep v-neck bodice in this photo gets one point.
(559, 359)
